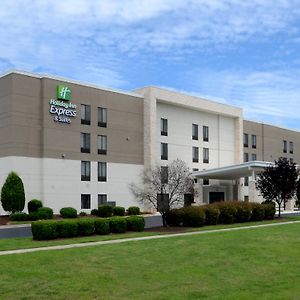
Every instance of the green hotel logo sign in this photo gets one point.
(64, 93)
(62, 109)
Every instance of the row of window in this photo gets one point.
(285, 147)
(246, 157)
(195, 130)
(85, 143)
(195, 153)
(85, 113)
(102, 200)
(86, 171)
(253, 140)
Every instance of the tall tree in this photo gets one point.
(278, 182)
(164, 188)
(12, 193)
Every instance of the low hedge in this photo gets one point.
(119, 211)
(68, 212)
(19, 216)
(244, 212)
(193, 216)
(212, 214)
(105, 211)
(135, 223)
(174, 217)
(102, 226)
(86, 227)
(67, 228)
(33, 205)
(44, 230)
(270, 211)
(258, 212)
(133, 210)
(117, 224)
(228, 211)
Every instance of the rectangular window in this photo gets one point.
(102, 144)
(85, 201)
(85, 171)
(85, 114)
(291, 147)
(246, 142)
(195, 153)
(85, 142)
(253, 157)
(246, 157)
(102, 117)
(284, 146)
(195, 179)
(102, 171)
(164, 151)
(102, 199)
(253, 137)
(194, 131)
(164, 175)
(205, 155)
(205, 181)
(163, 126)
(205, 134)
(246, 181)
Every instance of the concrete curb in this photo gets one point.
(119, 241)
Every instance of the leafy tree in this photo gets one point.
(278, 182)
(164, 188)
(12, 193)
(298, 193)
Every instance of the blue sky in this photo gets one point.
(245, 53)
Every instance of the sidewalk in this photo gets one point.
(119, 241)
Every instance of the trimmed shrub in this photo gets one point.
(244, 212)
(13, 194)
(135, 223)
(19, 216)
(33, 216)
(105, 211)
(102, 226)
(228, 212)
(270, 210)
(68, 212)
(117, 224)
(212, 214)
(94, 212)
(258, 212)
(33, 205)
(119, 211)
(174, 217)
(67, 228)
(133, 210)
(82, 214)
(45, 213)
(193, 216)
(44, 230)
(86, 226)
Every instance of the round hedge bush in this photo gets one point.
(133, 210)
(45, 213)
(86, 227)
(228, 212)
(135, 223)
(244, 212)
(68, 212)
(19, 216)
(117, 224)
(270, 211)
(33, 205)
(174, 217)
(95, 212)
(193, 216)
(212, 214)
(102, 226)
(67, 228)
(44, 230)
(258, 212)
(119, 211)
(105, 211)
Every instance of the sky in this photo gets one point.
(244, 53)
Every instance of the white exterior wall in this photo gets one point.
(57, 182)
(221, 142)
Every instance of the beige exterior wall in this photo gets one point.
(270, 141)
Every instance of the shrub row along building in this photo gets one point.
(79, 145)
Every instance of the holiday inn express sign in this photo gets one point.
(62, 108)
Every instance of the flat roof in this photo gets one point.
(233, 171)
(78, 82)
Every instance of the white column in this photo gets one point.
(252, 188)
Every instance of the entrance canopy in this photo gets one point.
(234, 171)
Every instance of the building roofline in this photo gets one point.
(78, 82)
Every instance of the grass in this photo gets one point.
(260, 263)
(25, 243)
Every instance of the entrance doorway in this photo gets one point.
(216, 197)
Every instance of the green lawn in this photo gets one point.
(24, 243)
(260, 263)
